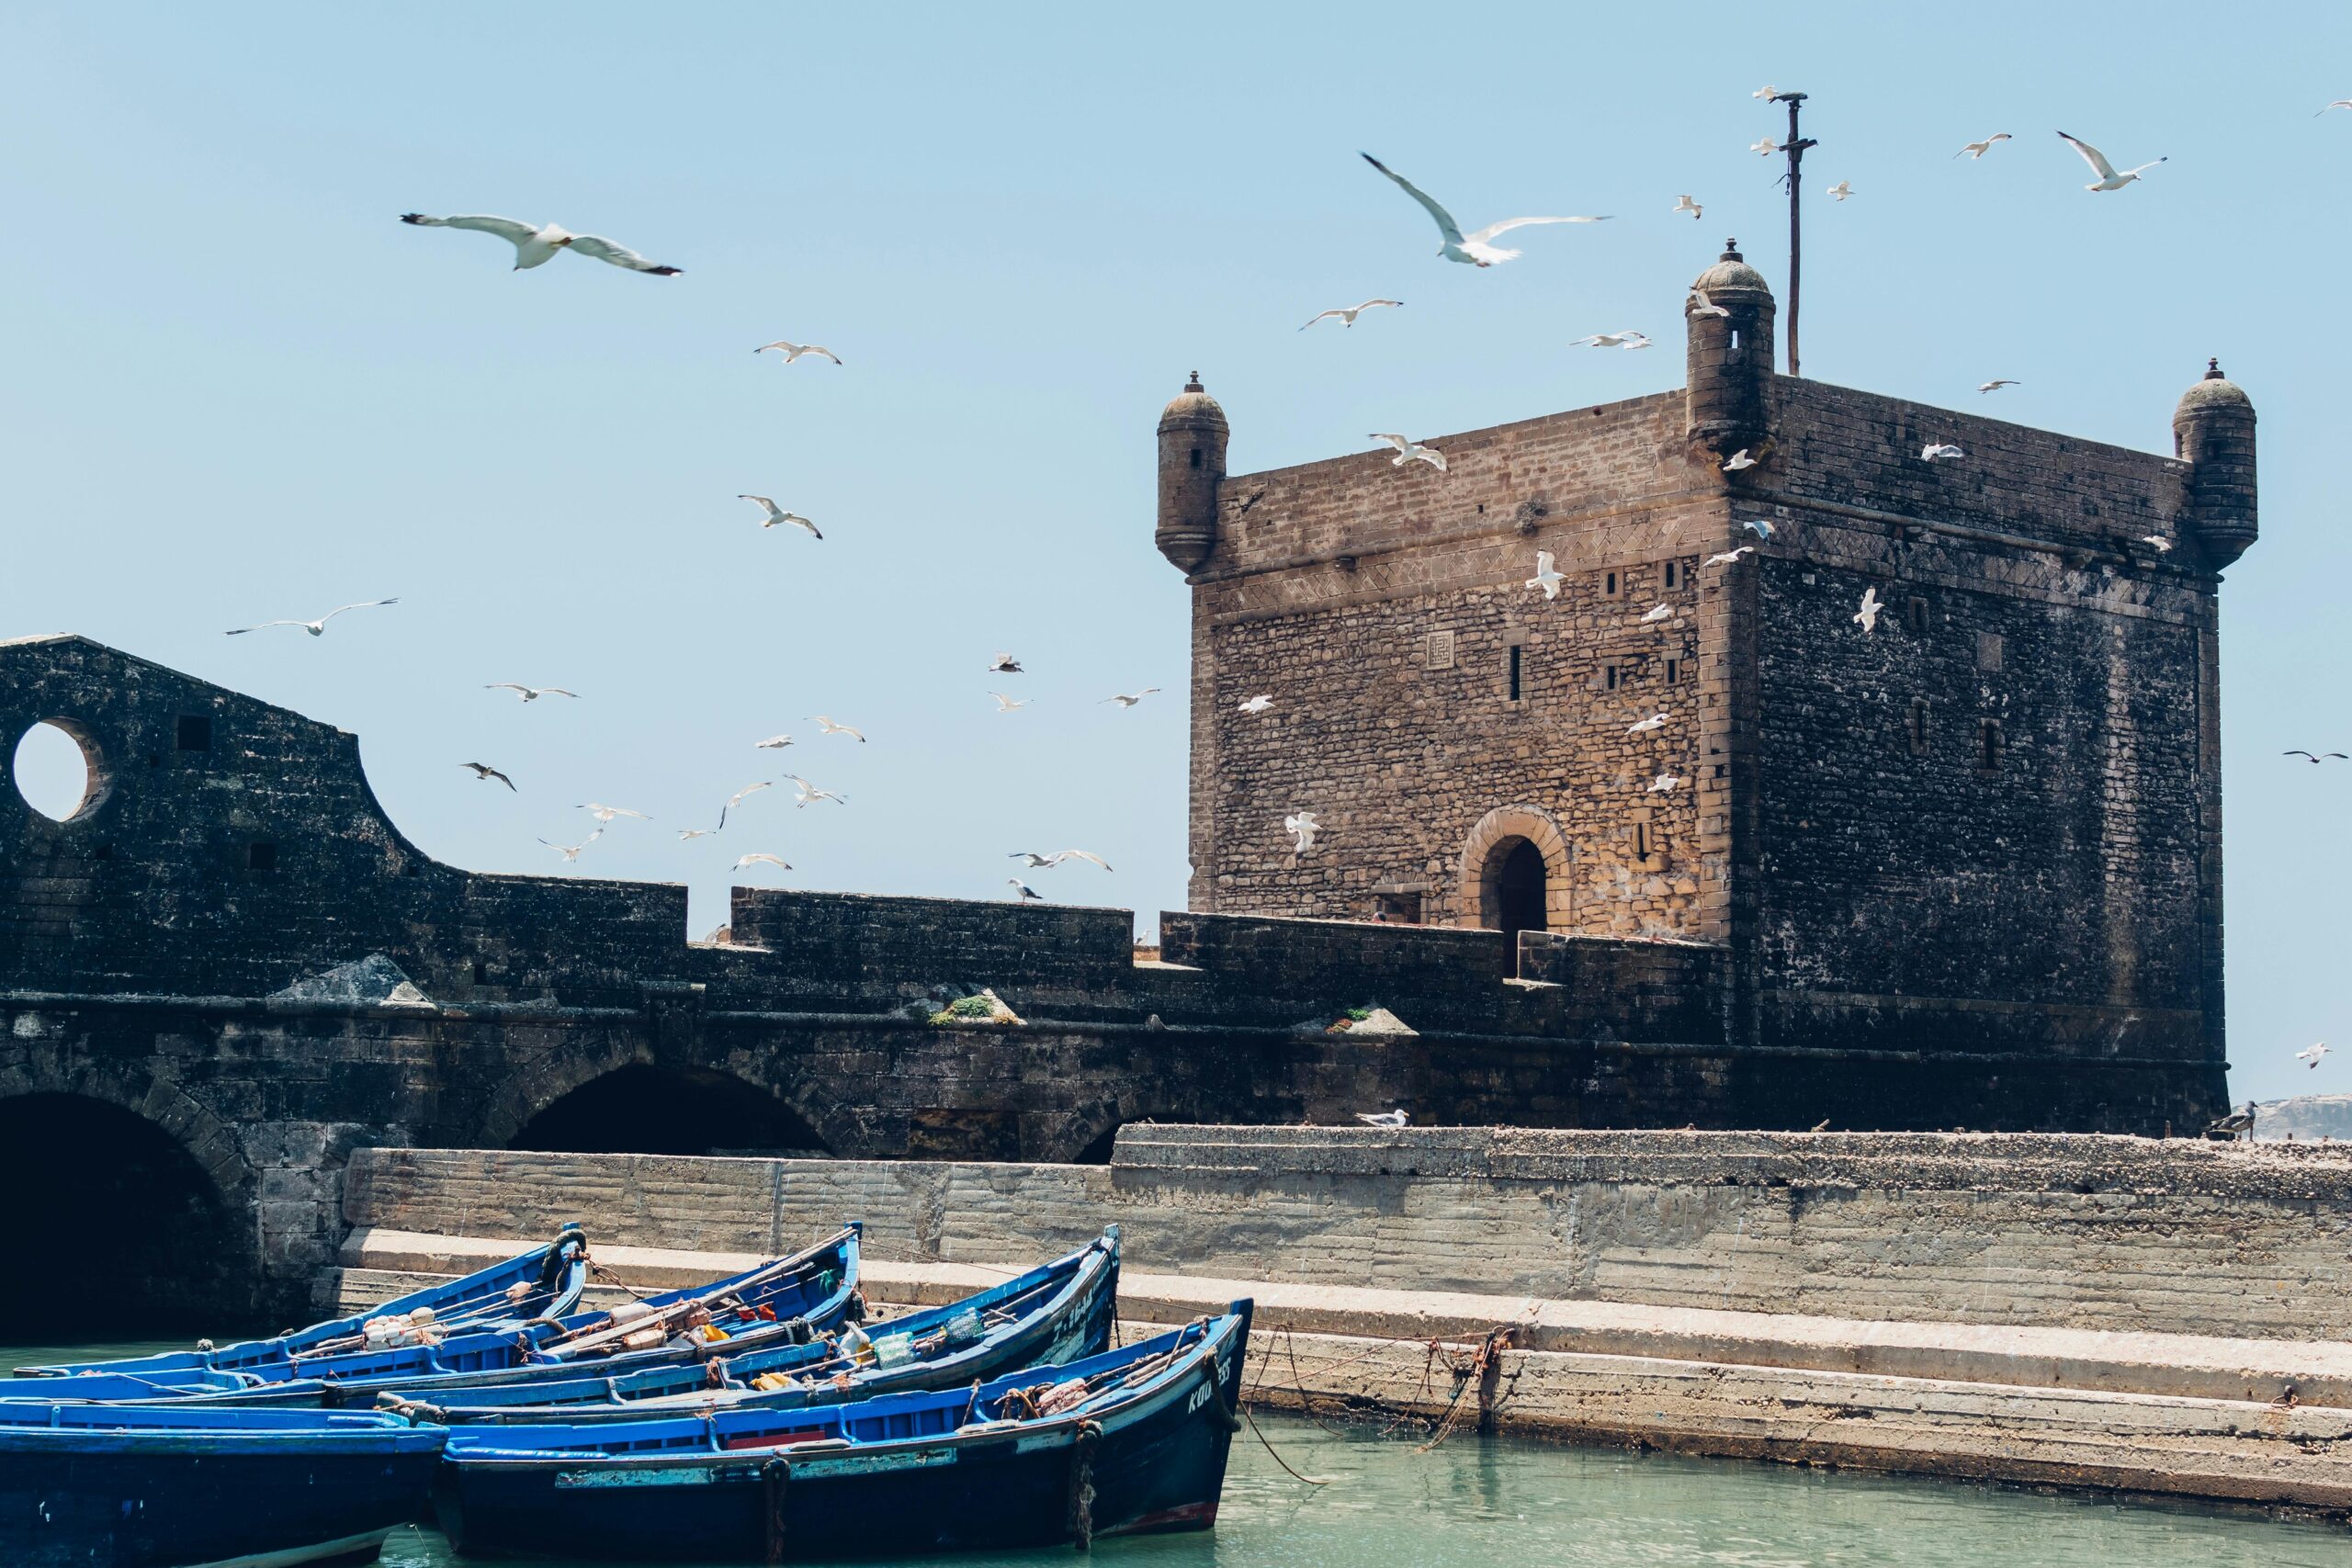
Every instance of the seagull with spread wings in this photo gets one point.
(1349, 313)
(763, 859)
(1053, 858)
(1727, 557)
(1471, 249)
(1548, 577)
(484, 773)
(528, 694)
(572, 851)
(2109, 178)
(1129, 699)
(1939, 452)
(537, 244)
(1684, 204)
(810, 794)
(1411, 452)
(772, 743)
(605, 814)
(2312, 1054)
(1302, 827)
(1994, 386)
(1867, 617)
(829, 728)
(1004, 664)
(1976, 150)
(2316, 760)
(776, 515)
(317, 628)
(1006, 704)
(738, 798)
(793, 352)
(1643, 726)
(1613, 340)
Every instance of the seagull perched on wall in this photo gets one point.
(1004, 664)
(1258, 703)
(572, 851)
(2158, 543)
(776, 515)
(1738, 460)
(1975, 150)
(1547, 576)
(1868, 615)
(1613, 340)
(810, 794)
(1840, 191)
(1940, 451)
(1349, 313)
(605, 814)
(1702, 306)
(1302, 827)
(1006, 704)
(528, 694)
(536, 244)
(793, 352)
(777, 861)
(1471, 248)
(2315, 762)
(1684, 204)
(1656, 613)
(317, 628)
(2311, 1055)
(829, 728)
(1395, 1118)
(1022, 891)
(1654, 721)
(1047, 861)
(1727, 557)
(2109, 179)
(1411, 452)
(484, 773)
(1996, 386)
(1761, 529)
(1129, 699)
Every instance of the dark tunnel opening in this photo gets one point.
(640, 1110)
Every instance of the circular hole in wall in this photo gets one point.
(55, 769)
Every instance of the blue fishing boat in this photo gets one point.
(1061, 1312)
(787, 1301)
(545, 1282)
(148, 1486)
(1128, 1442)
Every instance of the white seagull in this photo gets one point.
(2315, 761)
(1654, 721)
(1868, 615)
(738, 798)
(1470, 248)
(1613, 340)
(2313, 1053)
(2108, 177)
(1727, 557)
(1996, 384)
(528, 694)
(1761, 528)
(2338, 103)
(1656, 613)
(1738, 460)
(1047, 861)
(1975, 150)
(829, 728)
(1023, 890)
(2158, 542)
(1841, 190)
(1006, 704)
(1684, 204)
(1349, 313)
(1004, 664)
(777, 861)
(795, 351)
(1129, 699)
(1702, 306)
(1258, 703)
(1663, 782)
(1547, 576)
(776, 515)
(809, 793)
(1411, 452)
(1935, 451)
(1766, 146)
(484, 773)
(1302, 827)
(1767, 92)
(572, 851)
(772, 743)
(317, 628)
(536, 244)
(606, 813)
(1395, 1118)
(686, 833)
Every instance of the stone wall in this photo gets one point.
(2087, 1231)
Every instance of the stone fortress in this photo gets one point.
(1963, 871)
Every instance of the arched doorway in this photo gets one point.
(1512, 895)
(642, 1109)
(113, 1229)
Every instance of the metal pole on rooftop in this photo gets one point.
(1794, 148)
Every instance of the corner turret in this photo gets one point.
(2212, 431)
(1192, 433)
(1729, 322)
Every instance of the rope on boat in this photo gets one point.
(1310, 1480)
(1081, 1484)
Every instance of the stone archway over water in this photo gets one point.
(640, 1108)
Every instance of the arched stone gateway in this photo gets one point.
(646, 1110)
(1515, 873)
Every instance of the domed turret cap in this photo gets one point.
(1730, 277)
(1193, 406)
(2214, 391)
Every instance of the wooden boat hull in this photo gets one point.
(173, 1496)
(1154, 1461)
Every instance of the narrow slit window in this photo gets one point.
(1734, 340)
(1916, 614)
(1610, 674)
(1609, 583)
(1669, 574)
(1988, 744)
(1197, 456)
(1673, 670)
(1916, 728)
(1515, 652)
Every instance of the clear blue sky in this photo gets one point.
(240, 390)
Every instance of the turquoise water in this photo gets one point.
(1476, 1502)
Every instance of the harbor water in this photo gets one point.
(1473, 1501)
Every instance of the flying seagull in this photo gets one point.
(1702, 306)
(2158, 542)
(686, 833)
(1006, 704)
(484, 773)
(1047, 861)
(777, 861)
(1302, 827)
(1129, 699)
(1727, 557)
(1411, 452)
(317, 628)
(1004, 664)
(738, 798)
(1663, 782)
(2313, 1053)
(1656, 613)
(1547, 576)
(1738, 460)
(1767, 92)
(1395, 1118)
(1258, 703)
(1023, 890)
(772, 743)
(1938, 450)
(606, 813)
(829, 728)
(2315, 761)
(810, 794)
(1349, 313)
(793, 351)
(1761, 528)
(528, 694)
(1654, 721)
(572, 851)
(1684, 204)
(1867, 617)
(1766, 146)
(1841, 190)
(1996, 386)
(1975, 150)
(2108, 177)
(2338, 103)
(1472, 248)
(1613, 340)
(776, 515)
(536, 244)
